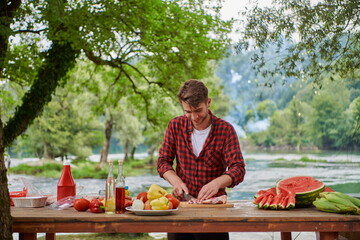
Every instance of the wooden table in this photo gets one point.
(244, 217)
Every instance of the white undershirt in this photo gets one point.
(198, 139)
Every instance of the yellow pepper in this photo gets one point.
(155, 191)
(161, 203)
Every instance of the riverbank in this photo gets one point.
(327, 156)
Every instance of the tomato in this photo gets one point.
(175, 202)
(81, 204)
(170, 205)
(128, 202)
(147, 205)
(142, 196)
(96, 206)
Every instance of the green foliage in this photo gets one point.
(67, 127)
(82, 168)
(324, 119)
(312, 38)
(307, 159)
(265, 108)
(46, 170)
(59, 60)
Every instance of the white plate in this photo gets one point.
(151, 212)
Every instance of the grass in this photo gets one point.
(82, 168)
(104, 236)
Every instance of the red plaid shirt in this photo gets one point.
(220, 155)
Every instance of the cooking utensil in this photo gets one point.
(188, 196)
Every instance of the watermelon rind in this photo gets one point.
(305, 197)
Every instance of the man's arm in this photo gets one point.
(210, 189)
(179, 186)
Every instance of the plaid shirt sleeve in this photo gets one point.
(167, 151)
(233, 157)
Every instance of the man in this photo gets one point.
(206, 149)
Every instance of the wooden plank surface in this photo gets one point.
(243, 217)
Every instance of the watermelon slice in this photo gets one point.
(268, 201)
(283, 202)
(306, 189)
(290, 204)
(258, 199)
(262, 192)
(276, 200)
(263, 201)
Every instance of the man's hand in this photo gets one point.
(210, 189)
(179, 186)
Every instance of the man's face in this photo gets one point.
(199, 115)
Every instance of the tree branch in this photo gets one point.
(30, 31)
(60, 58)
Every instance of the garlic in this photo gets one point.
(138, 204)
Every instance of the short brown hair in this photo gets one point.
(193, 92)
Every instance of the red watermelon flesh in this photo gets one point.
(290, 202)
(268, 201)
(283, 202)
(258, 199)
(298, 191)
(328, 189)
(259, 196)
(263, 201)
(306, 189)
(276, 200)
(270, 190)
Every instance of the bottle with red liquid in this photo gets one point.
(66, 186)
(120, 190)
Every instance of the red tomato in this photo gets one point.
(96, 206)
(128, 202)
(142, 196)
(81, 204)
(175, 202)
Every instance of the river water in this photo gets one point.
(338, 171)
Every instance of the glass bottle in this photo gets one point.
(110, 191)
(120, 190)
(66, 186)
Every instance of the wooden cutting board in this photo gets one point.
(203, 205)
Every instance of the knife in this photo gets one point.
(188, 196)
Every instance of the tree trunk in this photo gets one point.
(5, 215)
(105, 149)
(133, 150)
(126, 150)
(151, 152)
(59, 59)
(47, 152)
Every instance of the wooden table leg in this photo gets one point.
(27, 236)
(328, 236)
(50, 236)
(285, 235)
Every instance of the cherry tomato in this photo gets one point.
(175, 202)
(142, 196)
(96, 206)
(170, 205)
(81, 204)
